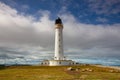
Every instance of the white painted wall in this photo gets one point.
(58, 44)
(61, 62)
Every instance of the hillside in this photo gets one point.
(81, 72)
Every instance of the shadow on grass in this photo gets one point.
(2, 67)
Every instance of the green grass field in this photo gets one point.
(58, 73)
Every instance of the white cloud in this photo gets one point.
(104, 6)
(6, 10)
(36, 37)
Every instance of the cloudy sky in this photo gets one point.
(91, 28)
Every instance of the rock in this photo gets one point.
(70, 69)
(77, 69)
(87, 69)
(117, 71)
(111, 71)
(83, 70)
(73, 69)
(90, 70)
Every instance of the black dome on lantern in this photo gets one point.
(58, 21)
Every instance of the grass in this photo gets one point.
(57, 73)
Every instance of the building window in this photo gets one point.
(59, 33)
(59, 62)
(69, 63)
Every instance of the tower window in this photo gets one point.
(59, 51)
(59, 46)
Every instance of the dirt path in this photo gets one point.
(114, 67)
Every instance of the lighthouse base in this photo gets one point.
(58, 62)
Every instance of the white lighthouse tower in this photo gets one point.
(59, 59)
(58, 40)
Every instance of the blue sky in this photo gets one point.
(85, 11)
(91, 28)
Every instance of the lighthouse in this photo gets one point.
(59, 58)
(58, 40)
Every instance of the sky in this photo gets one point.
(91, 28)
